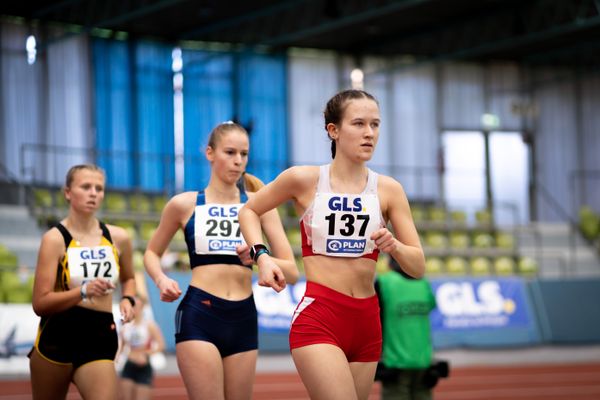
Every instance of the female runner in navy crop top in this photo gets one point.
(216, 322)
(335, 337)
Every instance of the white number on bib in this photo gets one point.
(217, 229)
(342, 224)
(87, 263)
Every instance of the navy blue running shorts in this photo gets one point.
(232, 326)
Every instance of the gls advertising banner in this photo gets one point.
(470, 312)
(275, 310)
(492, 311)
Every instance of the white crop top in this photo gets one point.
(341, 224)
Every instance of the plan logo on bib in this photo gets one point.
(223, 244)
(346, 245)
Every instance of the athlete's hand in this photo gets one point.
(384, 240)
(269, 274)
(127, 311)
(243, 252)
(169, 289)
(98, 287)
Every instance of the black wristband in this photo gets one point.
(257, 250)
(260, 252)
(131, 300)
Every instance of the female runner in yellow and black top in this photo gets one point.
(80, 261)
(216, 322)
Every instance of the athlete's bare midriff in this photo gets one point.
(230, 282)
(350, 276)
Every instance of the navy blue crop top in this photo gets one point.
(197, 260)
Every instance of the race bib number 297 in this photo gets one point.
(217, 229)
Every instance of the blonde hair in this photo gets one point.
(76, 168)
(252, 183)
(221, 129)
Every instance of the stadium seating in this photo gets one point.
(458, 217)
(418, 213)
(434, 266)
(147, 229)
(436, 240)
(453, 245)
(459, 240)
(158, 203)
(483, 240)
(43, 198)
(456, 266)
(505, 240)
(504, 266)
(589, 223)
(13, 289)
(7, 258)
(483, 217)
(138, 260)
(527, 266)
(480, 266)
(437, 214)
(60, 202)
(115, 202)
(140, 203)
(294, 237)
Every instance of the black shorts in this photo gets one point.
(232, 326)
(140, 374)
(77, 336)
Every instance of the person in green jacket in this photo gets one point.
(405, 303)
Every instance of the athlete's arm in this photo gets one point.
(45, 299)
(170, 221)
(405, 247)
(285, 187)
(281, 250)
(122, 241)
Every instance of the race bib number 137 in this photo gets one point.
(343, 224)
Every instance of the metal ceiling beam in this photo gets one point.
(528, 39)
(547, 20)
(503, 44)
(239, 19)
(53, 7)
(136, 13)
(483, 21)
(589, 49)
(328, 25)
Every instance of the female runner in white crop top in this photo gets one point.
(339, 272)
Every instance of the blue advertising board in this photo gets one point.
(487, 311)
(483, 312)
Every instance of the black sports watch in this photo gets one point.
(257, 250)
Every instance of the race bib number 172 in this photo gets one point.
(87, 263)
